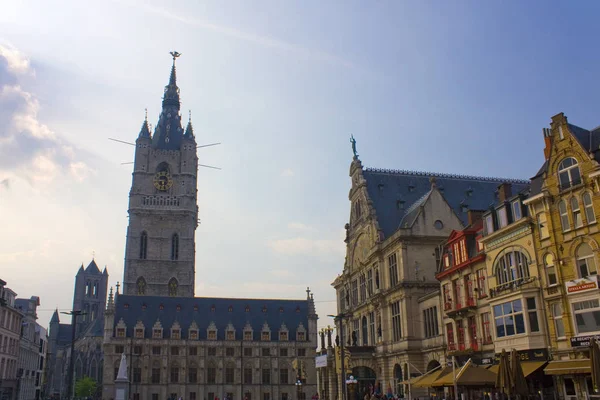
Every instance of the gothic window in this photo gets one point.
(590, 216)
(173, 287)
(576, 213)
(175, 247)
(141, 285)
(95, 290)
(568, 173)
(143, 246)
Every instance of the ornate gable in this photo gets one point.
(301, 333)
(139, 330)
(157, 330)
(176, 330)
(265, 333)
(248, 332)
(193, 331)
(284, 333)
(211, 331)
(121, 329)
(230, 332)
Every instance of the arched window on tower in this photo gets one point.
(175, 247)
(173, 287)
(143, 246)
(141, 285)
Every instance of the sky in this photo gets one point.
(459, 87)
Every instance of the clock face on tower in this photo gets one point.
(163, 181)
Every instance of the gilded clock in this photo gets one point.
(163, 181)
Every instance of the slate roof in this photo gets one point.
(538, 180)
(148, 309)
(388, 188)
(583, 136)
(92, 268)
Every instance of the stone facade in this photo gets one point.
(33, 348)
(398, 221)
(564, 204)
(10, 330)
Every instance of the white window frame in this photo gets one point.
(548, 266)
(564, 216)
(576, 212)
(588, 207)
(542, 222)
(517, 210)
(591, 257)
(595, 307)
(489, 224)
(558, 318)
(512, 314)
(502, 217)
(569, 171)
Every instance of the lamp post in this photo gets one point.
(298, 388)
(340, 318)
(74, 314)
(351, 382)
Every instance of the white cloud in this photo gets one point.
(286, 173)
(28, 148)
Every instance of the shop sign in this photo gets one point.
(321, 361)
(582, 285)
(583, 341)
(487, 361)
(528, 355)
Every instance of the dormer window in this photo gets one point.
(120, 332)
(265, 336)
(516, 210)
(212, 334)
(230, 309)
(502, 218)
(247, 335)
(194, 334)
(175, 334)
(489, 224)
(157, 333)
(213, 308)
(283, 336)
(446, 261)
(230, 335)
(301, 336)
(247, 309)
(139, 333)
(400, 204)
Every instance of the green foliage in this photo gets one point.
(85, 387)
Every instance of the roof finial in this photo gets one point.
(118, 286)
(146, 114)
(190, 116)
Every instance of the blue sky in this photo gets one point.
(462, 87)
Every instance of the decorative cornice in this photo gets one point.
(444, 175)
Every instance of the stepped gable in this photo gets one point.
(462, 192)
(147, 309)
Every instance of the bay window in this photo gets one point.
(509, 319)
(587, 316)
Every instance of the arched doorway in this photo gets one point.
(433, 364)
(366, 380)
(398, 379)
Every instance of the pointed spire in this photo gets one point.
(171, 97)
(111, 300)
(105, 271)
(55, 317)
(189, 130)
(80, 269)
(145, 130)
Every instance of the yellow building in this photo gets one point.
(515, 298)
(564, 203)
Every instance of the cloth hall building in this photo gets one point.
(176, 344)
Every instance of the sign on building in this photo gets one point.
(583, 341)
(321, 361)
(582, 284)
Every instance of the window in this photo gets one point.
(343, 300)
(393, 267)
(175, 247)
(283, 336)
(266, 352)
(430, 322)
(193, 351)
(450, 336)
(211, 351)
(509, 319)
(481, 286)
(229, 374)
(457, 258)
(143, 246)
(175, 334)
(587, 316)
(568, 173)
(564, 216)
(121, 332)
(487, 331)
(265, 336)
(354, 292)
(230, 335)
(363, 287)
(137, 350)
(301, 352)
(284, 396)
(283, 376)
(229, 351)
(155, 375)
(370, 282)
(248, 376)
(542, 225)
(559, 325)
(516, 210)
(156, 350)
(192, 394)
(247, 352)
(139, 333)
(576, 212)
(211, 375)
(266, 396)
(489, 224)
(534, 325)
(511, 265)
(586, 264)
(300, 336)
(174, 374)
(550, 269)
(463, 250)
(119, 349)
(266, 376)
(192, 375)
(212, 334)
(283, 352)
(372, 328)
(137, 375)
(396, 322)
(502, 218)
(173, 287)
(154, 396)
(590, 216)
(193, 334)
(174, 351)
(247, 335)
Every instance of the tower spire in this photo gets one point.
(189, 130)
(171, 90)
(145, 130)
(168, 132)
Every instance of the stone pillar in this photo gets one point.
(122, 382)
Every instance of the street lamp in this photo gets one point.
(351, 382)
(298, 388)
(341, 317)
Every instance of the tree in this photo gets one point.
(85, 387)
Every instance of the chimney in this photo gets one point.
(547, 142)
(474, 215)
(504, 192)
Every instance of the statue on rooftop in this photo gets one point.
(353, 141)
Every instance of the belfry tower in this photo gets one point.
(163, 210)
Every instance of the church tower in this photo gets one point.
(89, 295)
(163, 211)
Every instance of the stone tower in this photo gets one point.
(163, 210)
(89, 295)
